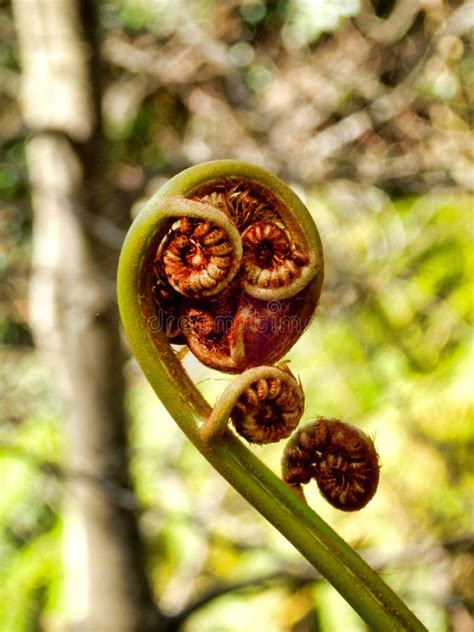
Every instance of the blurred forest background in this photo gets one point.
(109, 519)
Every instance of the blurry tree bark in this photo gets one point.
(73, 310)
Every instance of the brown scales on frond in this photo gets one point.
(242, 202)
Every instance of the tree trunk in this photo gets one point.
(73, 312)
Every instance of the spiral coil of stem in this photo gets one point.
(340, 457)
(330, 555)
(265, 404)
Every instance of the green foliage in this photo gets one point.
(30, 526)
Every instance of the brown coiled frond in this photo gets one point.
(242, 203)
(264, 403)
(269, 260)
(340, 457)
(196, 257)
(232, 277)
(208, 328)
(269, 409)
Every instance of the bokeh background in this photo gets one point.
(109, 518)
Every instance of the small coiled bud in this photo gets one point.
(197, 258)
(265, 405)
(340, 457)
(269, 409)
(268, 261)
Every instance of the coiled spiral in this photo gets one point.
(340, 457)
(234, 276)
(269, 409)
(265, 404)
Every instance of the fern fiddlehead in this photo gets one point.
(272, 279)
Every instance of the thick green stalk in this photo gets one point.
(374, 601)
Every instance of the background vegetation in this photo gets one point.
(364, 107)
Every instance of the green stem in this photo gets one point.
(360, 586)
